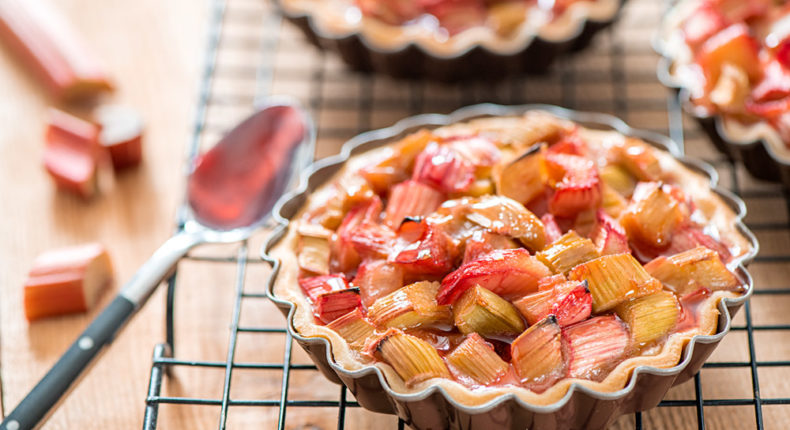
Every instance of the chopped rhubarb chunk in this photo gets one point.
(353, 327)
(121, 134)
(413, 359)
(477, 360)
(71, 153)
(509, 273)
(537, 355)
(410, 307)
(314, 286)
(653, 215)
(344, 255)
(524, 178)
(614, 279)
(567, 252)
(434, 253)
(595, 347)
(410, 199)
(639, 159)
(569, 302)
(578, 188)
(551, 228)
(480, 311)
(444, 169)
(66, 280)
(609, 236)
(371, 240)
(650, 318)
(691, 270)
(482, 242)
(377, 278)
(508, 217)
(334, 304)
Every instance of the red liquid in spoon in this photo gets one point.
(237, 182)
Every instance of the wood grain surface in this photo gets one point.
(155, 51)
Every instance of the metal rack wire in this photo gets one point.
(615, 75)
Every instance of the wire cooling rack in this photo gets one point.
(252, 54)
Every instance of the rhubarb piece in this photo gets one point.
(51, 49)
(434, 254)
(480, 311)
(344, 255)
(314, 286)
(595, 347)
(410, 199)
(121, 134)
(651, 317)
(482, 242)
(688, 237)
(550, 282)
(71, 153)
(410, 307)
(537, 355)
(618, 178)
(609, 236)
(568, 251)
(639, 159)
(353, 327)
(313, 256)
(578, 187)
(613, 279)
(551, 228)
(444, 169)
(524, 178)
(477, 360)
(66, 280)
(376, 279)
(478, 150)
(508, 217)
(569, 302)
(371, 240)
(413, 359)
(653, 215)
(333, 304)
(509, 273)
(394, 166)
(691, 270)
(734, 45)
(612, 202)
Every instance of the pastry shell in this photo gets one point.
(635, 385)
(757, 146)
(473, 54)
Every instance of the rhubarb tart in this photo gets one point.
(732, 61)
(450, 39)
(524, 256)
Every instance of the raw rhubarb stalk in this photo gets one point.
(121, 134)
(480, 311)
(66, 280)
(71, 153)
(568, 251)
(43, 39)
(476, 359)
(414, 359)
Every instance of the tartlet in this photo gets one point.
(420, 46)
(730, 61)
(488, 294)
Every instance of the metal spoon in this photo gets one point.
(231, 192)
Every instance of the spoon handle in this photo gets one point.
(33, 409)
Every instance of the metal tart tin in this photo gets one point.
(433, 408)
(476, 63)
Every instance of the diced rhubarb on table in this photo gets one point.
(410, 199)
(376, 279)
(653, 215)
(613, 279)
(567, 252)
(650, 318)
(413, 359)
(333, 304)
(734, 44)
(577, 187)
(121, 134)
(474, 358)
(569, 302)
(595, 346)
(51, 49)
(508, 217)
(353, 328)
(524, 178)
(609, 236)
(410, 307)
(537, 355)
(691, 270)
(72, 153)
(480, 311)
(509, 273)
(66, 280)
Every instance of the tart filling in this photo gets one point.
(510, 255)
(733, 58)
(449, 27)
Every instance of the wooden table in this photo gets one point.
(155, 50)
